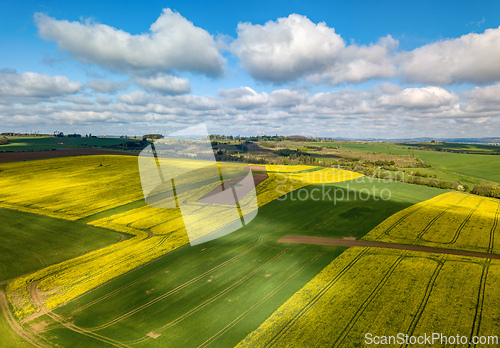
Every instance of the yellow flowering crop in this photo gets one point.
(70, 187)
(451, 220)
(389, 291)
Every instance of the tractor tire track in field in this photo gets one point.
(387, 231)
(368, 301)
(315, 299)
(232, 239)
(435, 218)
(151, 275)
(425, 298)
(260, 302)
(220, 294)
(492, 231)
(35, 293)
(462, 225)
(173, 291)
(13, 324)
(476, 324)
(147, 276)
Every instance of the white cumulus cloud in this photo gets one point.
(172, 44)
(31, 84)
(243, 98)
(470, 58)
(163, 84)
(134, 98)
(106, 86)
(287, 98)
(294, 47)
(419, 98)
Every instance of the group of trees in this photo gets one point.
(4, 141)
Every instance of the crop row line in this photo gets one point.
(425, 298)
(220, 294)
(435, 218)
(368, 300)
(316, 297)
(261, 301)
(462, 225)
(173, 291)
(493, 228)
(411, 212)
(480, 302)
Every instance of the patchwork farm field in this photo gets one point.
(477, 164)
(125, 274)
(362, 291)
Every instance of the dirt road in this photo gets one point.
(348, 242)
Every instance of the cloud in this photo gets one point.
(103, 100)
(357, 64)
(486, 95)
(287, 98)
(30, 84)
(470, 58)
(110, 87)
(172, 44)
(294, 47)
(243, 98)
(134, 98)
(77, 100)
(482, 99)
(163, 84)
(383, 111)
(419, 98)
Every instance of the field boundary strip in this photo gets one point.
(371, 244)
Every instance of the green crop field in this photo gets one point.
(29, 242)
(456, 147)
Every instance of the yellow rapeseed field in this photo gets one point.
(288, 169)
(281, 183)
(388, 291)
(451, 220)
(71, 187)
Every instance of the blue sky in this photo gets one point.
(379, 69)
